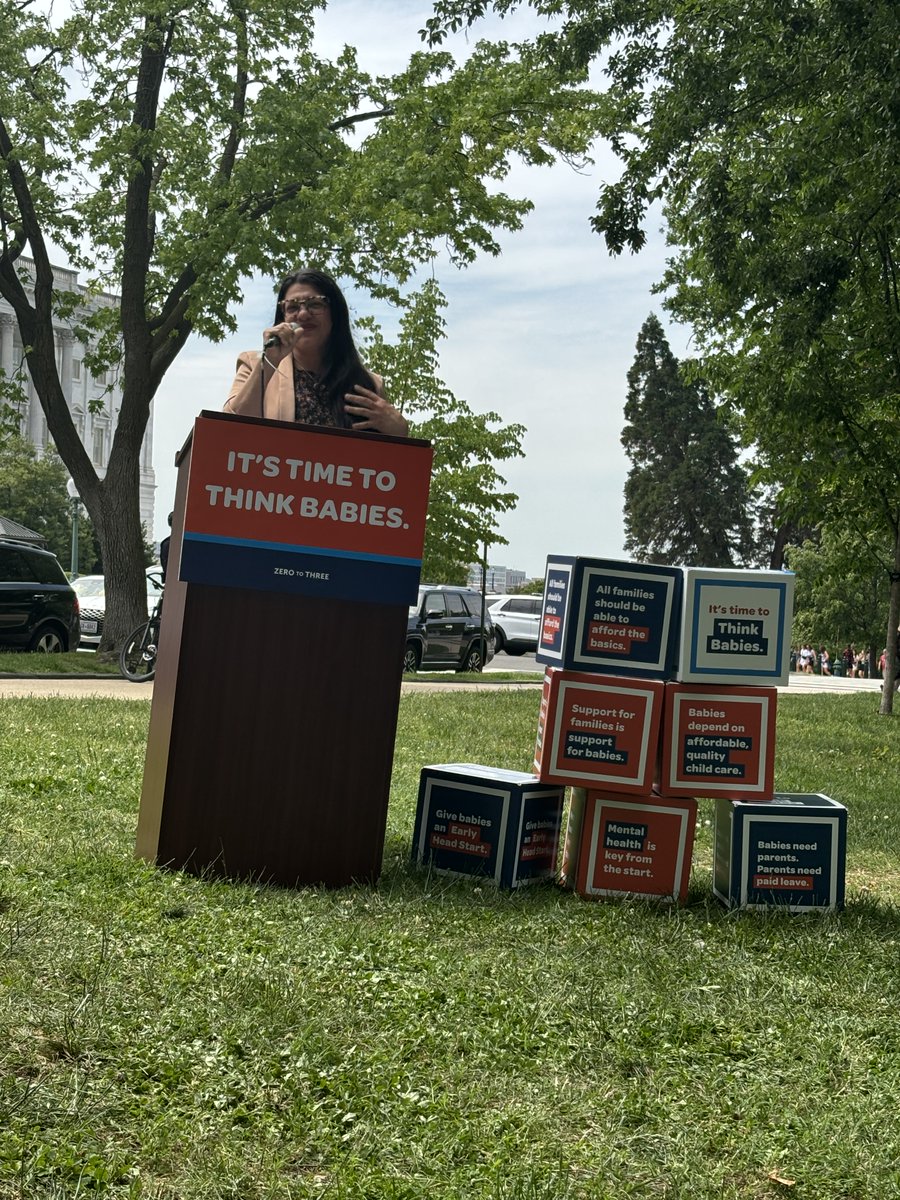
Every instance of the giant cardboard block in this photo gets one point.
(486, 821)
(718, 741)
(633, 848)
(572, 840)
(736, 626)
(616, 618)
(598, 731)
(790, 852)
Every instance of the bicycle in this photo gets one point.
(137, 658)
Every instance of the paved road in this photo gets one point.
(513, 662)
(113, 687)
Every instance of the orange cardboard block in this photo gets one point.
(572, 841)
(634, 848)
(598, 731)
(718, 741)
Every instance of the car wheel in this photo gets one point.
(411, 659)
(515, 650)
(47, 641)
(474, 660)
(499, 640)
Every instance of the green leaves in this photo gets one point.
(33, 492)
(171, 149)
(467, 493)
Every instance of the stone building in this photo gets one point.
(80, 388)
(500, 580)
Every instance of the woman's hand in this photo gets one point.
(368, 410)
(286, 332)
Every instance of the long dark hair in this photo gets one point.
(343, 366)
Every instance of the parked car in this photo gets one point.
(91, 592)
(517, 622)
(38, 608)
(444, 630)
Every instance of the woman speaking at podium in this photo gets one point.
(309, 369)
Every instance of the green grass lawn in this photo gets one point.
(163, 1036)
(73, 663)
(90, 663)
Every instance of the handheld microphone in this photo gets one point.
(275, 340)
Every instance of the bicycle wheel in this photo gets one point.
(137, 660)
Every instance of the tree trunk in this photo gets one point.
(776, 558)
(113, 503)
(892, 666)
(121, 544)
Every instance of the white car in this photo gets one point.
(91, 593)
(517, 622)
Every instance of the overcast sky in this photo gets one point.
(544, 334)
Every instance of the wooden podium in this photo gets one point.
(295, 555)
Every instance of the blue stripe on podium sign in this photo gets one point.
(303, 570)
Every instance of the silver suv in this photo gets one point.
(516, 621)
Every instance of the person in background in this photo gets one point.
(824, 661)
(883, 664)
(164, 549)
(309, 369)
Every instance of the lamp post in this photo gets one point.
(484, 562)
(76, 505)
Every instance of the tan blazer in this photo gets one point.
(246, 397)
(278, 402)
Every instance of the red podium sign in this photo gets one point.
(297, 509)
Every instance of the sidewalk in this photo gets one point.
(114, 688)
(801, 682)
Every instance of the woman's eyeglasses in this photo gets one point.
(315, 304)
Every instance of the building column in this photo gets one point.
(7, 325)
(66, 339)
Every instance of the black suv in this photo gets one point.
(38, 608)
(444, 630)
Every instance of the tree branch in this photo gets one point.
(35, 322)
(137, 234)
(41, 63)
(31, 229)
(238, 98)
(171, 318)
(173, 308)
(358, 118)
(167, 350)
(11, 235)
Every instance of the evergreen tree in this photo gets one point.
(687, 498)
